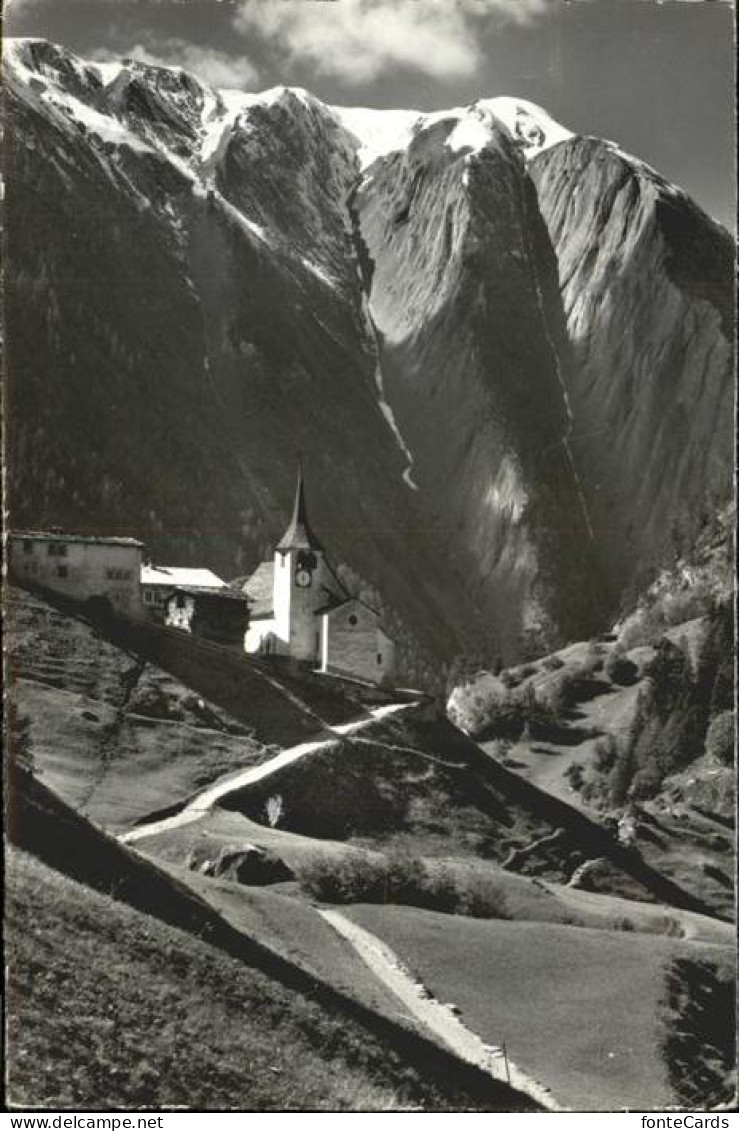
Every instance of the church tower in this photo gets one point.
(301, 580)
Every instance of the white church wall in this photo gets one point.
(352, 643)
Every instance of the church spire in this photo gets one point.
(299, 535)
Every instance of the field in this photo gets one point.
(578, 1009)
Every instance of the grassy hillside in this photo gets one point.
(582, 1010)
(114, 735)
(109, 1007)
(112, 886)
(637, 731)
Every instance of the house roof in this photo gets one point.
(59, 536)
(259, 589)
(333, 602)
(173, 576)
(299, 535)
(331, 606)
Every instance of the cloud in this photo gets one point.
(211, 65)
(357, 40)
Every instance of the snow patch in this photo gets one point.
(389, 415)
(380, 132)
(108, 72)
(527, 123)
(471, 132)
(377, 132)
(318, 271)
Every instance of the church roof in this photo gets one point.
(259, 588)
(299, 535)
(341, 602)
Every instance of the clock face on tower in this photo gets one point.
(303, 578)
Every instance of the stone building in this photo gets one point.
(299, 608)
(79, 566)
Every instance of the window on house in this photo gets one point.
(62, 571)
(180, 601)
(352, 619)
(57, 550)
(27, 546)
(147, 597)
(379, 657)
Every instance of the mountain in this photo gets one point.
(445, 313)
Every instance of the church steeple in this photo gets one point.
(299, 535)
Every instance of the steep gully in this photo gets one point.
(365, 268)
(526, 242)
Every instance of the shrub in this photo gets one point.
(353, 878)
(575, 776)
(500, 748)
(720, 738)
(606, 752)
(620, 669)
(645, 783)
(404, 879)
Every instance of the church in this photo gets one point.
(298, 608)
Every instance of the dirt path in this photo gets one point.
(205, 801)
(438, 1018)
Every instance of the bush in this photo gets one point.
(353, 878)
(403, 879)
(620, 670)
(500, 748)
(720, 738)
(575, 775)
(645, 783)
(606, 752)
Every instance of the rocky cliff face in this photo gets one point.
(201, 284)
(646, 285)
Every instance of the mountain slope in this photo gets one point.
(204, 283)
(646, 280)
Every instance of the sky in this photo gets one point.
(656, 76)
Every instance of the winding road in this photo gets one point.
(231, 783)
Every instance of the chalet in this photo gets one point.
(216, 614)
(157, 583)
(298, 608)
(80, 566)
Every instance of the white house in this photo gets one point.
(157, 582)
(298, 608)
(80, 566)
